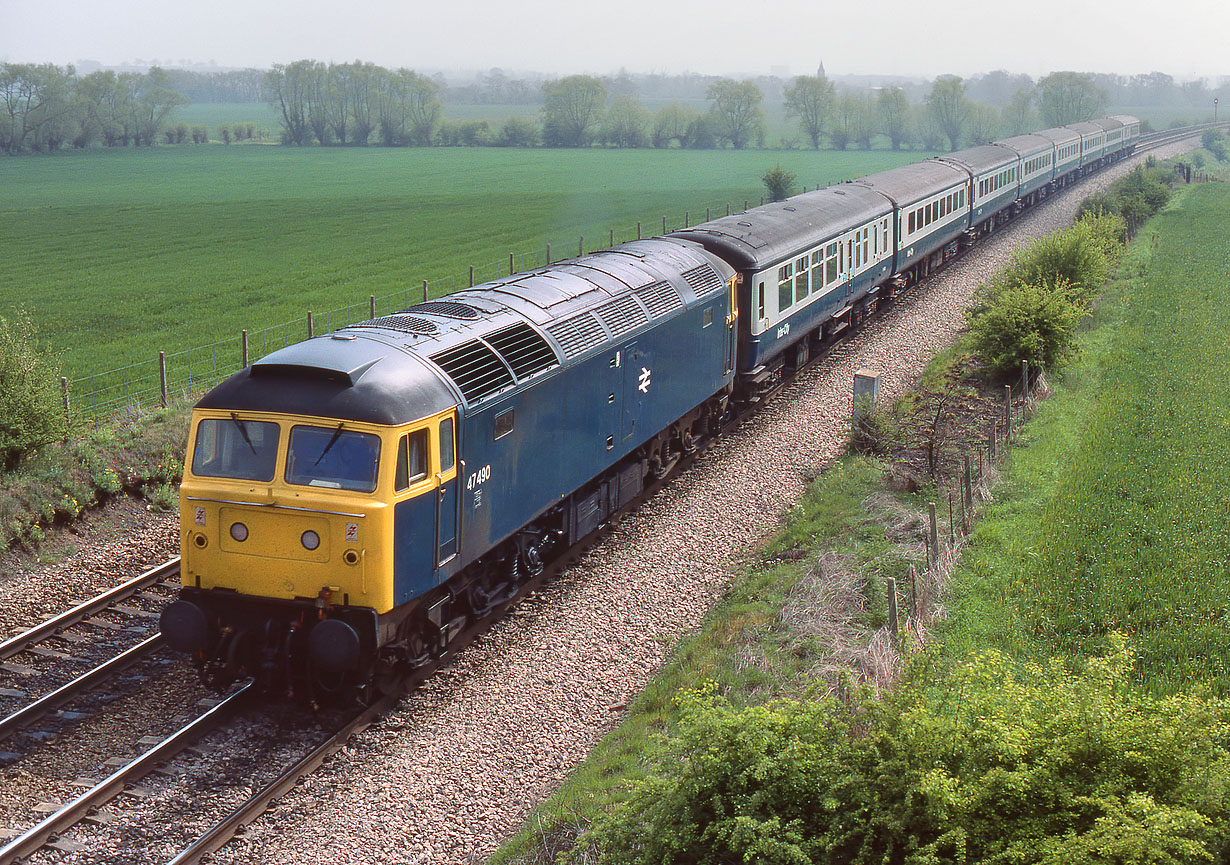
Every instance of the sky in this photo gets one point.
(1184, 38)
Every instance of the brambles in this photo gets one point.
(1028, 322)
(989, 763)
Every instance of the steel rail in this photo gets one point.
(72, 813)
(26, 639)
(39, 708)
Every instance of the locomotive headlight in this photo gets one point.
(310, 540)
(239, 532)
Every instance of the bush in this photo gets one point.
(981, 766)
(779, 182)
(1074, 258)
(1030, 322)
(31, 411)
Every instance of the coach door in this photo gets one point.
(447, 497)
(731, 318)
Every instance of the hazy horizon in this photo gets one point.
(687, 36)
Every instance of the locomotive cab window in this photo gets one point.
(332, 458)
(411, 459)
(706, 317)
(448, 447)
(236, 448)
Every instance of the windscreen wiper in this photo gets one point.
(243, 431)
(337, 433)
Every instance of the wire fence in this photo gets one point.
(169, 377)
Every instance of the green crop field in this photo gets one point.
(1117, 519)
(118, 255)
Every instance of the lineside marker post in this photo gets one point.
(243, 341)
(162, 378)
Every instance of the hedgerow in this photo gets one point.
(31, 414)
(989, 766)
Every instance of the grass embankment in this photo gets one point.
(1115, 516)
(117, 255)
(1110, 530)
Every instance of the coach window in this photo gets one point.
(830, 255)
(801, 279)
(785, 287)
(760, 303)
(817, 270)
(411, 459)
(910, 225)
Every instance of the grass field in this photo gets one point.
(1117, 514)
(118, 255)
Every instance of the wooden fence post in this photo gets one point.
(311, 326)
(64, 391)
(638, 229)
(611, 243)
(1007, 412)
(892, 607)
(935, 535)
(687, 219)
(511, 270)
(581, 245)
(471, 276)
(371, 302)
(424, 291)
(1024, 383)
(243, 340)
(548, 253)
(664, 225)
(162, 378)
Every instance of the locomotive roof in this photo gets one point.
(909, 183)
(774, 232)
(475, 343)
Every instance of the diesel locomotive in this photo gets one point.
(351, 501)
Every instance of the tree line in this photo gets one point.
(361, 103)
(44, 107)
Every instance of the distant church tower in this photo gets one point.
(820, 71)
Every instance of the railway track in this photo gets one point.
(57, 662)
(66, 828)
